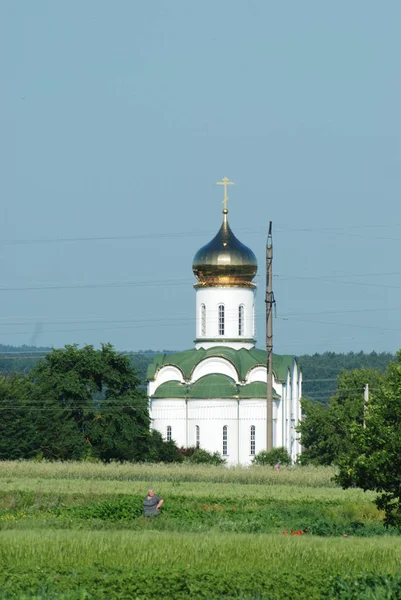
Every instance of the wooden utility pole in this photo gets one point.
(269, 339)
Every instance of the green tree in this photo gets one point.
(17, 426)
(326, 430)
(89, 398)
(374, 458)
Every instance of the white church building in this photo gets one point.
(213, 396)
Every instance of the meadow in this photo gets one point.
(76, 530)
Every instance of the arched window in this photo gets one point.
(253, 321)
(203, 319)
(221, 319)
(241, 319)
(168, 433)
(253, 440)
(197, 436)
(225, 440)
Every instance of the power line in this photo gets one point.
(178, 234)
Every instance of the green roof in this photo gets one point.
(243, 360)
(171, 389)
(212, 386)
(256, 389)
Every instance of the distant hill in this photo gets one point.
(320, 371)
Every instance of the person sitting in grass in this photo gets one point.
(152, 504)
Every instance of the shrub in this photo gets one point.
(201, 456)
(271, 457)
(161, 450)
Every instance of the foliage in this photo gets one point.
(89, 396)
(321, 371)
(374, 459)
(161, 450)
(365, 587)
(76, 530)
(116, 564)
(18, 437)
(326, 430)
(201, 456)
(272, 457)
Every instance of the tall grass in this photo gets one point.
(293, 476)
(121, 549)
(218, 491)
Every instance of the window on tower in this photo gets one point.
(225, 440)
(253, 440)
(168, 433)
(241, 319)
(221, 319)
(197, 436)
(203, 319)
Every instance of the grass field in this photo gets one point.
(76, 530)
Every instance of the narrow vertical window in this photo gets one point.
(197, 436)
(168, 433)
(203, 319)
(225, 440)
(253, 440)
(241, 319)
(253, 321)
(221, 319)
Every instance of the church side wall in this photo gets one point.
(170, 412)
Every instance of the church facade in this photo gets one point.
(213, 396)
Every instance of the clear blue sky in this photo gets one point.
(117, 119)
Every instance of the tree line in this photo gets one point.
(320, 371)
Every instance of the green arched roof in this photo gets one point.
(256, 389)
(171, 389)
(214, 386)
(242, 359)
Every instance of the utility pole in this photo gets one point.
(365, 403)
(269, 339)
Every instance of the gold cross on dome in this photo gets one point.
(225, 181)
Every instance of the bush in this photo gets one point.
(161, 450)
(201, 456)
(272, 457)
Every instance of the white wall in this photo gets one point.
(231, 298)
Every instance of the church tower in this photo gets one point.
(225, 292)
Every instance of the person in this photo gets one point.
(277, 466)
(152, 504)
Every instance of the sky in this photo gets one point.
(118, 118)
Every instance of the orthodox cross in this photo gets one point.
(225, 181)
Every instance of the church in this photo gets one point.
(213, 396)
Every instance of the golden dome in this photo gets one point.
(225, 261)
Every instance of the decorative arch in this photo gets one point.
(169, 373)
(214, 365)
